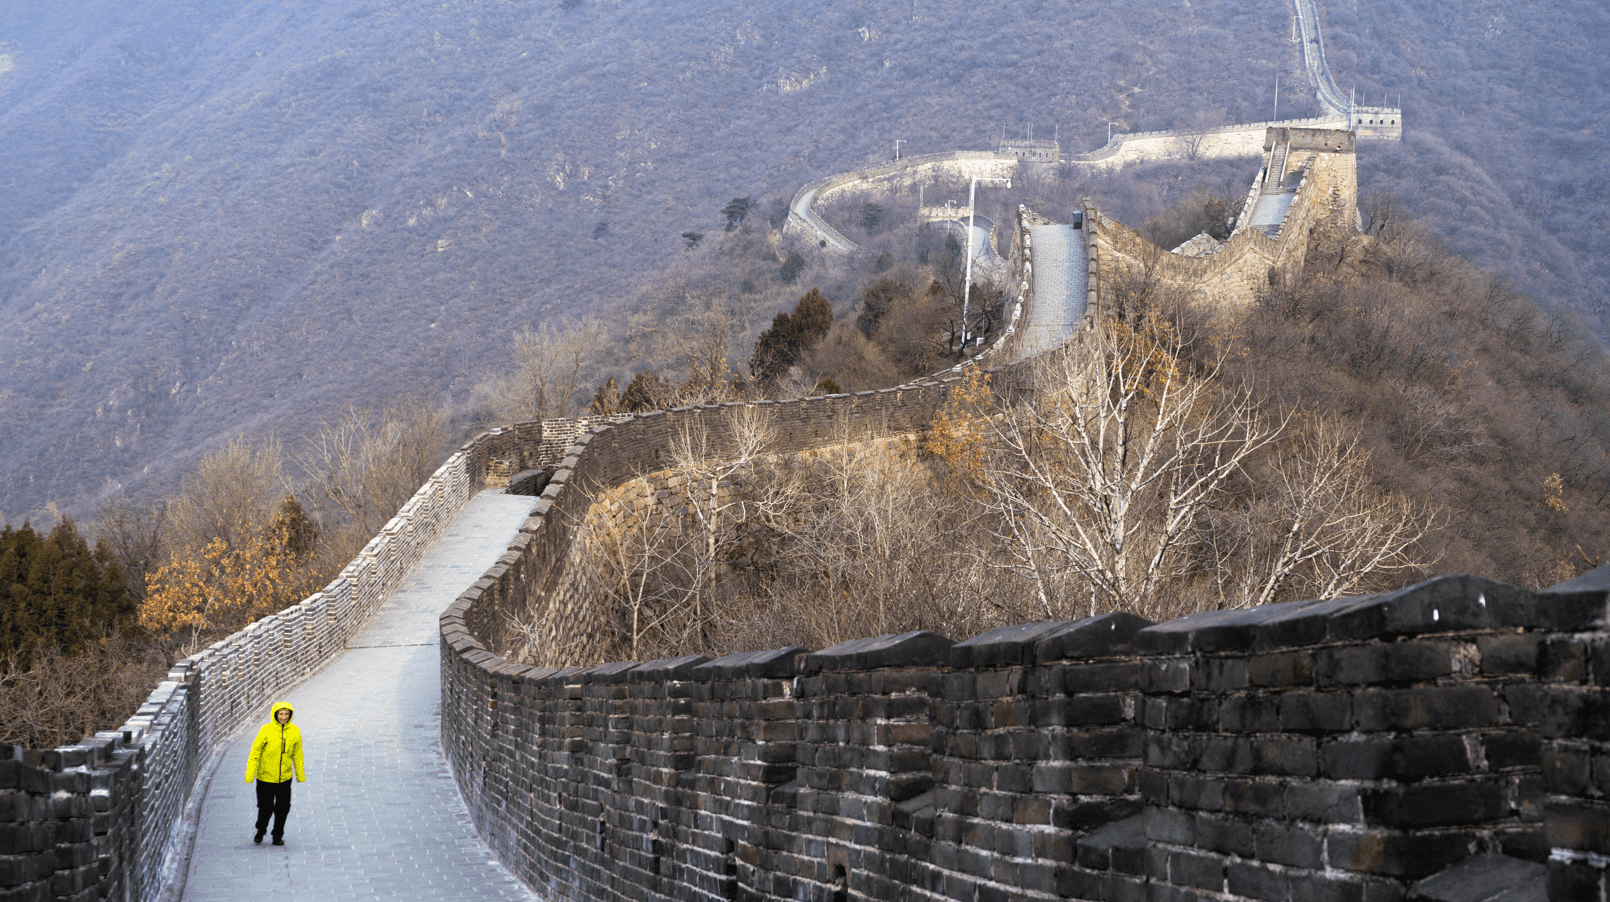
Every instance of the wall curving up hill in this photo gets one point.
(1333, 749)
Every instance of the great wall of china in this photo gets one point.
(1343, 749)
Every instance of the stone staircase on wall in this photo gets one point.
(1274, 197)
(1276, 171)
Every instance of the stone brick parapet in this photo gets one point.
(1326, 198)
(1220, 142)
(803, 222)
(1340, 749)
(101, 819)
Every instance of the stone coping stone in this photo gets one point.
(1577, 604)
(482, 658)
(1241, 629)
(915, 649)
(545, 674)
(1004, 645)
(613, 672)
(555, 676)
(1105, 635)
(509, 669)
(666, 669)
(775, 663)
(1453, 603)
(1486, 878)
(1445, 604)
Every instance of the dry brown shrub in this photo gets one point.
(60, 700)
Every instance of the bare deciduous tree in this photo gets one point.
(57, 699)
(649, 564)
(370, 462)
(551, 368)
(878, 548)
(729, 490)
(670, 546)
(1316, 527)
(136, 535)
(232, 494)
(1104, 475)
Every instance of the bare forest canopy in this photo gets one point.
(222, 218)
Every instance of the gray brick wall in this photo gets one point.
(1334, 750)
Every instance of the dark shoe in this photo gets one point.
(279, 841)
(259, 837)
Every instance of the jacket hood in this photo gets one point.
(274, 712)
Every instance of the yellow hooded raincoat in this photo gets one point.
(277, 751)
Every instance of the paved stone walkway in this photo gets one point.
(379, 816)
(1060, 275)
(1270, 211)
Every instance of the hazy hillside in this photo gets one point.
(1509, 113)
(235, 216)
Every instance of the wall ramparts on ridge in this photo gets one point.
(1342, 749)
(544, 587)
(904, 172)
(1326, 197)
(1222, 142)
(100, 819)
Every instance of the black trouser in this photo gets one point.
(275, 799)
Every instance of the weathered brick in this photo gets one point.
(1326, 887)
(1225, 835)
(1169, 826)
(1188, 713)
(1254, 797)
(1077, 883)
(1250, 713)
(1512, 749)
(1196, 793)
(1316, 712)
(1434, 805)
(1566, 770)
(1425, 707)
(1105, 708)
(1579, 824)
(1396, 854)
(1322, 801)
(1562, 659)
(1199, 869)
(1577, 713)
(1106, 742)
(1509, 653)
(1103, 779)
(1252, 880)
(1418, 756)
(1106, 677)
(1219, 674)
(1295, 846)
(1285, 669)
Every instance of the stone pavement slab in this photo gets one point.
(1060, 274)
(379, 816)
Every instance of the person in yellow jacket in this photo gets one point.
(276, 757)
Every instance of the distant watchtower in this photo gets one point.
(1379, 123)
(1030, 149)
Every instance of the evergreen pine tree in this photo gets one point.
(789, 337)
(55, 590)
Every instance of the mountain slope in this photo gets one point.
(239, 216)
